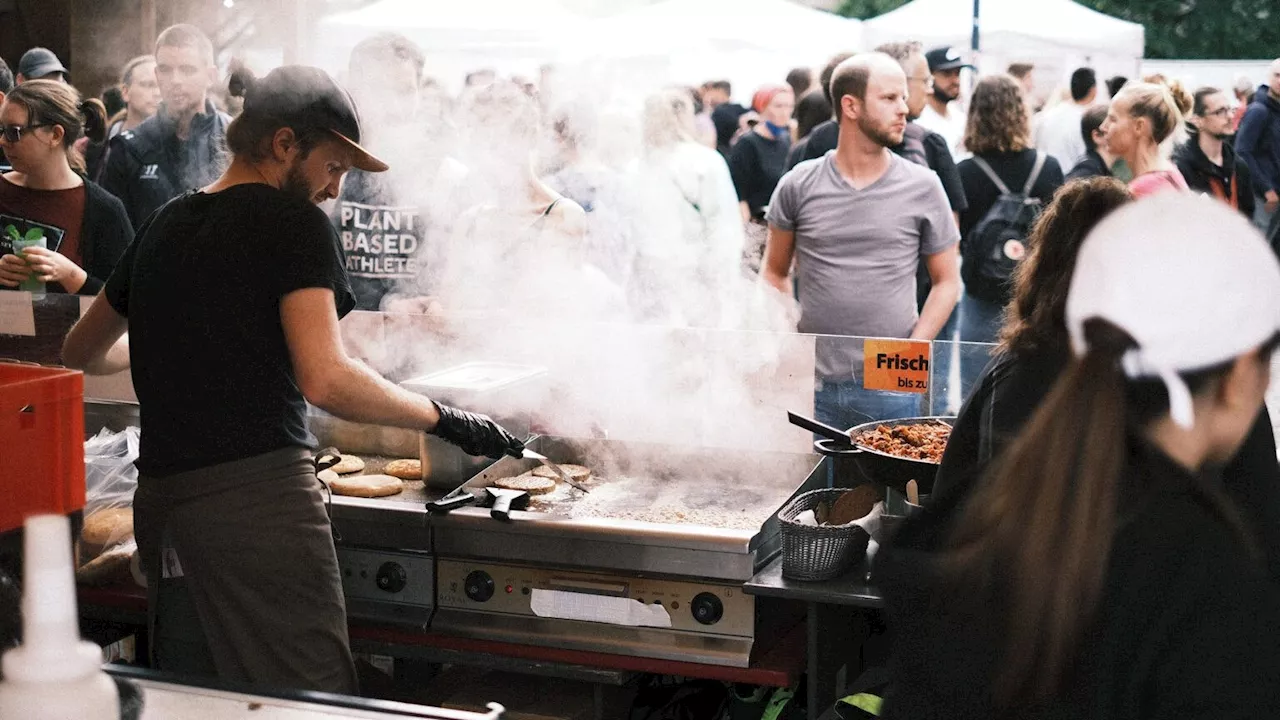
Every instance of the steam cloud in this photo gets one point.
(647, 323)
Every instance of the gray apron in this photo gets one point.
(243, 579)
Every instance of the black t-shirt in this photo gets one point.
(1013, 168)
(384, 242)
(201, 287)
(757, 163)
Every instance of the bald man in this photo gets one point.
(1258, 144)
(857, 221)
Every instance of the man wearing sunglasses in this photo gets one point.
(1207, 161)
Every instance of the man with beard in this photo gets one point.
(857, 221)
(384, 231)
(939, 114)
(1207, 161)
(231, 296)
(181, 146)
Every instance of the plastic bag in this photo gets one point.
(110, 479)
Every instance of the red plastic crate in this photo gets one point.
(41, 442)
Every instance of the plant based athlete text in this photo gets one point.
(380, 241)
(919, 363)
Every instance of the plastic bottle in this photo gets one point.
(53, 674)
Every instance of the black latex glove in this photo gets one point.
(475, 434)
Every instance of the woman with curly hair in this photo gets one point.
(999, 136)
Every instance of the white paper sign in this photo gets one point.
(598, 608)
(17, 317)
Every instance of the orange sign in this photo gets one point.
(896, 365)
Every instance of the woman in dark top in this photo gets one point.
(759, 158)
(999, 136)
(84, 229)
(1034, 351)
(1099, 570)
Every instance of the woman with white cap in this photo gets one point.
(1098, 570)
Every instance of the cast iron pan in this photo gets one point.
(879, 467)
(891, 470)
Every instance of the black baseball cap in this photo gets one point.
(306, 97)
(945, 58)
(40, 62)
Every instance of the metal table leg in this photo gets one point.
(835, 637)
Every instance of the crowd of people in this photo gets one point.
(879, 203)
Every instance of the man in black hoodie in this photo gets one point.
(1208, 162)
(181, 146)
(1258, 144)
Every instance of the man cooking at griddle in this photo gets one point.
(231, 296)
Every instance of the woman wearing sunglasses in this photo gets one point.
(58, 231)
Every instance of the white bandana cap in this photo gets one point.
(1190, 279)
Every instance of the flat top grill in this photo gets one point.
(666, 485)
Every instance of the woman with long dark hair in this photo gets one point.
(1033, 341)
(1098, 569)
(999, 136)
(81, 228)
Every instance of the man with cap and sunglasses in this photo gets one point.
(231, 295)
(940, 114)
(41, 64)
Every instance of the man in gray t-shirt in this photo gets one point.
(857, 222)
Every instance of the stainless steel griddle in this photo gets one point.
(651, 563)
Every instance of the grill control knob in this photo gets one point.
(479, 586)
(391, 577)
(707, 609)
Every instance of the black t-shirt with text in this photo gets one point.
(201, 287)
(383, 241)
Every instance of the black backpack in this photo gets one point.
(998, 242)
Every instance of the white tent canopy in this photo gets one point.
(1057, 35)
(749, 42)
(730, 26)
(508, 35)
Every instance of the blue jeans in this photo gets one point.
(980, 322)
(845, 404)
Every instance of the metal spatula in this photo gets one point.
(531, 455)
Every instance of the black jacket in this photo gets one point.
(1090, 167)
(149, 166)
(1009, 392)
(1258, 141)
(104, 235)
(1201, 174)
(1186, 626)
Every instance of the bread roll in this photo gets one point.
(367, 486)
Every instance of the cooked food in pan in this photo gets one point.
(924, 441)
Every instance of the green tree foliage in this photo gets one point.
(1181, 29)
(866, 9)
